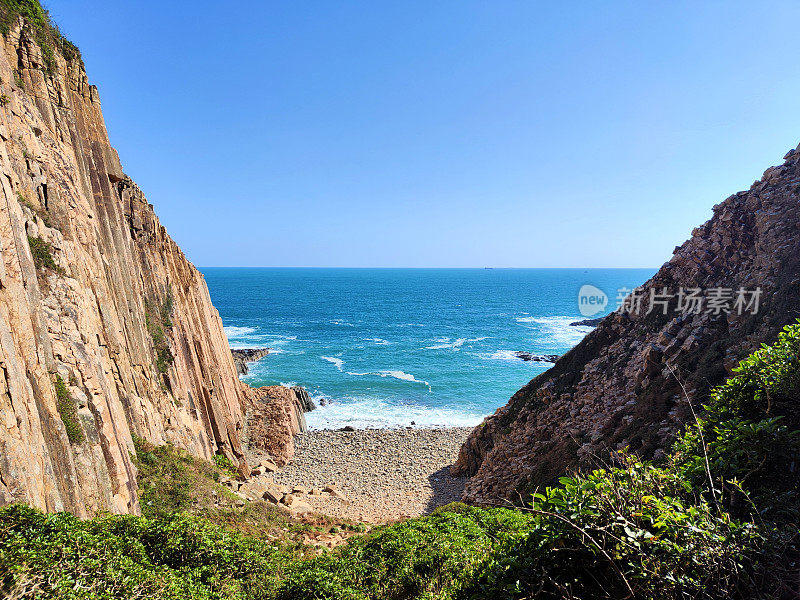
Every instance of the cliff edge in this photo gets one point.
(107, 331)
(622, 385)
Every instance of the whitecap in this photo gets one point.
(555, 333)
(232, 331)
(377, 341)
(341, 323)
(447, 343)
(501, 355)
(401, 375)
(338, 362)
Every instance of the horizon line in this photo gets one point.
(431, 268)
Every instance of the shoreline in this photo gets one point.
(381, 475)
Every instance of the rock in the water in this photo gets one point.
(586, 323)
(527, 356)
(242, 356)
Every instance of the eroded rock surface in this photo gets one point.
(117, 313)
(620, 386)
(275, 414)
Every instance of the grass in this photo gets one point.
(69, 412)
(675, 531)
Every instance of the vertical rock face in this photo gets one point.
(106, 330)
(275, 414)
(623, 385)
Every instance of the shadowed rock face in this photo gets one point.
(120, 315)
(616, 388)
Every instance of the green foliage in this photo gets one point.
(43, 255)
(178, 557)
(4, 99)
(224, 463)
(750, 428)
(42, 214)
(158, 319)
(69, 412)
(44, 31)
(631, 531)
(172, 480)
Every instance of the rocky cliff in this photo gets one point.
(622, 385)
(106, 330)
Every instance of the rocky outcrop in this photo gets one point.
(528, 357)
(106, 330)
(586, 323)
(242, 356)
(622, 385)
(275, 414)
(304, 402)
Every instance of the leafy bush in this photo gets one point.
(750, 429)
(43, 254)
(69, 412)
(179, 557)
(158, 320)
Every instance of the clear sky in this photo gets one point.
(450, 133)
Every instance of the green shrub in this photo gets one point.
(69, 412)
(44, 31)
(632, 531)
(750, 429)
(158, 320)
(43, 255)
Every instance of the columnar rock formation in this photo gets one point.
(621, 386)
(106, 330)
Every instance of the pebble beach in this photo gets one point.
(385, 474)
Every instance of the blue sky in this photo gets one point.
(444, 134)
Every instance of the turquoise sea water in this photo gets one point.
(385, 347)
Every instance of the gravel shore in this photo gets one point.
(386, 475)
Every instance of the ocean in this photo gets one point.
(388, 347)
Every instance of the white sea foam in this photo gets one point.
(447, 343)
(341, 323)
(501, 355)
(377, 341)
(401, 375)
(233, 332)
(555, 333)
(365, 413)
(338, 362)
